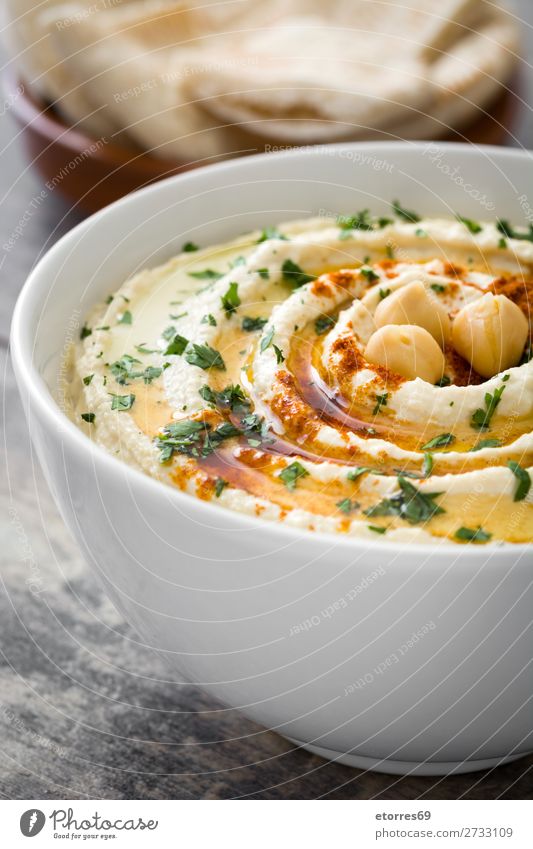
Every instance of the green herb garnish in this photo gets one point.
(377, 529)
(279, 355)
(440, 441)
(293, 274)
(409, 503)
(209, 319)
(427, 466)
(323, 324)
(384, 293)
(204, 356)
(271, 233)
(250, 324)
(406, 214)
(508, 230)
(359, 221)
(524, 480)
(176, 346)
(472, 534)
(189, 247)
(266, 341)
(481, 419)
(206, 274)
(473, 226)
(438, 287)
(87, 379)
(292, 474)
(486, 443)
(348, 506)
(381, 401)
(230, 301)
(88, 417)
(368, 273)
(125, 318)
(122, 402)
(220, 486)
(85, 331)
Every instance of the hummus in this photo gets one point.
(238, 374)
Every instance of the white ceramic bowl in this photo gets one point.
(309, 634)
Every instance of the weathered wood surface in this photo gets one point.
(85, 711)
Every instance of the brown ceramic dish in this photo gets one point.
(91, 173)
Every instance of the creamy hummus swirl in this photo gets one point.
(238, 373)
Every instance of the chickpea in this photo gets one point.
(408, 350)
(490, 333)
(413, 304)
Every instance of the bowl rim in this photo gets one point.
(39, 394)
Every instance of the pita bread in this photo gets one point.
(345, 85)
(195, 79)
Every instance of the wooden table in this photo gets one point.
(85, 711)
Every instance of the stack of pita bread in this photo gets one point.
(192, 80)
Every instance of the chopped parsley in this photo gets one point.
(353, 474)
(125, 369)
(323, 324)
(142, 349)
(204, 356)
(438, 287)
(381, 401)
(368, 273)
(231, 398)
(293, 274)
(85, 331)
(264, 273)
(486, 443)
(206, 274)
(255, 429)
(230, 301)
(125, 318)
(292, 474)
(88, 417)
(177, 346)
(193, 438)
(87, 379)
(189, 248)
(279, 355)
(427, 466)
(250, 324)
(266, 341)
(348, 506)
(405, 214)
(409, 503)
(389, 250)
(440, 441)
(220, 486)
(508, 230)
(472, 534)
(502, 243)
(168, 333)
(481, 419)
(524, 480)
(473, 226)
(122, 402)
(378, 529)
(271, 233)
(359, 221)
(384, 293)
(444, 381)
(420, 233)
(209, 319)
